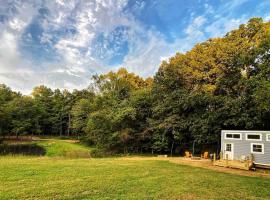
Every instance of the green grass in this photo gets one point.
(112, 178)
(55, 147)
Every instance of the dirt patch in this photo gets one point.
(207, 164)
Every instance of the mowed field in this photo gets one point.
(58, 177)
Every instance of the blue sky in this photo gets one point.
(61, 43)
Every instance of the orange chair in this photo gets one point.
(188, 154)
(205, 155)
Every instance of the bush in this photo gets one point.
(101, 153)
(86, 141)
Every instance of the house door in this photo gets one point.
(228, 152)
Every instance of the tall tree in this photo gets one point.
(43, 98)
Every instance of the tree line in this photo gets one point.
(222, 83)
(44, 112)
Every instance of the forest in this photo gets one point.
(222, 83)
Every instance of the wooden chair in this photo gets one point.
(205, 155)
(188, 154)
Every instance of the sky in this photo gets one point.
(62, 43)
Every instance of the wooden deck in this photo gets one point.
(245, 165)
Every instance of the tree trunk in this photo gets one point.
(61, 127)
(68, 131)
(172, 148)
(193, 148)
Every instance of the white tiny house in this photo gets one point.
(239, 144)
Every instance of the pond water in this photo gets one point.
(21, 149)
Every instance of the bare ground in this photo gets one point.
(207, 164)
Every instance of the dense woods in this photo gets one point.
(222, 83)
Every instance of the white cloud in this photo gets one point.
(46, 38)
(145, 58)
(267, 17)
(9, 56)
(89, 20)
(10, 35)
(61, 2)
(223, 24)
(199, 21)
(75, 65)
(209, 9)
(17, 24)
(71, 28)
(194, 29)
(25, 81)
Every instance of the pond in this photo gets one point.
(22, 149)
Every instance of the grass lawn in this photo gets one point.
(55, 147)
(113, 178)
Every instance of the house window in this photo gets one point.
(268, 137)
(228, 147)
(257, 148)
(254, 136)
(233, 136)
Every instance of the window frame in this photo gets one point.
(254, 134)
(268, 137)
(233, 133)
(226, 146)
(251, 148)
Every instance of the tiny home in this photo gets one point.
(238, 145)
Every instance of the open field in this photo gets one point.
(118, 178)
(57, 175)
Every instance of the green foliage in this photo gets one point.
(119, 111)
(6, 95)
(222, 83)
(24, 115)
(79, 113)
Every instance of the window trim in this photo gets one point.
(268, 137)
(251, 148)
(254, 134)
(233, 134)
(226, 146)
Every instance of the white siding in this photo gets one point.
(242, 147)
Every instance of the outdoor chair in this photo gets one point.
(188, 154)
(205, 155)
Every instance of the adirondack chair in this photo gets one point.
(205, 155)
(188, 154)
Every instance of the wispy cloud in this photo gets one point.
(61, 43)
